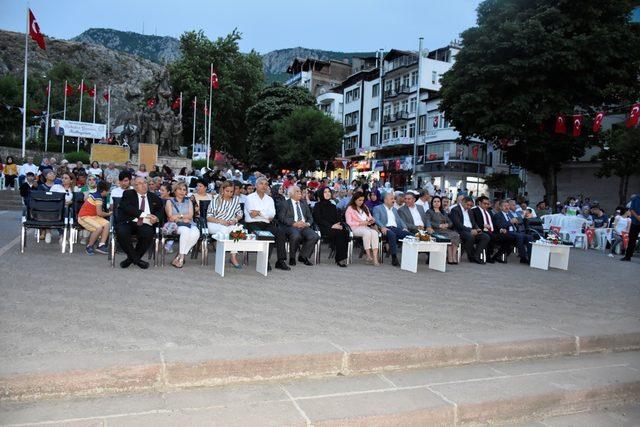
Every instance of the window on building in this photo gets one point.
(422, 124)
(394, 133)
(412, 105)
(403, 132)
(396, 107)
(375, 112)
(396, 83)
(434, 77)
(386, 132)
(405, 80)
(353, 95)
(387, 110)
(351, 119)
(414, 78)
(375, 90)
(412, 130)
(374, 140)
(405, 105)
(387, 85)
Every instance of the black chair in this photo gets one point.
(46, 211)
(203, 204)
(74, 226)
(153, 251)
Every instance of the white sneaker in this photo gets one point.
(47, 237)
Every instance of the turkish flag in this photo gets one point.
(214, 80)
(433, 156)
(597, 121)
(46, 90)
(151, 103)
(577, 125)
(82, 88)
(436, 119)
(561, 126)
(34, 31)
(91, 92)
(105, 95)
(68, 90)
(176, 103)
(634, 114)
(474, 152)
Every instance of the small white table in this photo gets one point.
(261, 247)
(545, 255)
(411, 249)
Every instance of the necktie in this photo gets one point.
(299, 211)
(486, 220)
(142, 206)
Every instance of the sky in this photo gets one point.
(339, 25)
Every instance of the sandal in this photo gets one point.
(178, 262)
(238, 266)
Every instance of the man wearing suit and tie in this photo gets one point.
(503, 241)
(412, 214)
(471, 235)
(391, 225)
(507, 223)
(138, 213)
(296, 218)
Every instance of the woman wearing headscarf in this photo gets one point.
(325, 214)
(373, 199)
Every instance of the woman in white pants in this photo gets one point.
(224, 213)
(180, 210)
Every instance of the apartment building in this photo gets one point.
(317, 75)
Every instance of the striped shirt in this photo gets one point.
(224, 209)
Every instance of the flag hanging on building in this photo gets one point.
(577, 125)
(436, 119)
(634, 114)
(597, 121)
(474, 152)
(561, 126)
(34, 31)
(214, 80)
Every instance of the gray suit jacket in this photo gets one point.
(406, 216)
(286, 216)
(380, 215)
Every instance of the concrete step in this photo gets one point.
(10, 200)
(618, 416)
(488, 393)
(59, 375)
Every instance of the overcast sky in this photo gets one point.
(340, 25)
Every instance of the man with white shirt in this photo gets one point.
(424, 200)
(503, 241)
(124, 183)
(259, 212)
(138, 213)
(507, 223)
(412, 214)
(472, 237)
(296, 219)
(26, 168)
(391, 225)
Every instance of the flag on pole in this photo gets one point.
(82, 88)
(47, 89)
(634, 114)
(68, 90)
(436, 119)
(151, 102)
(474, 152)
(214, 80)
(177, 103)
(577, 125)
(561, 127)
(105, 95)
(597, 122)
(91, 92)
(34, 31)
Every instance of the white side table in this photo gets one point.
(261, 247)
(544, 256)
(411, 249)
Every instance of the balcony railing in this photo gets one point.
(350, 128)
(403, 61)
(293, 79)
(396, 117)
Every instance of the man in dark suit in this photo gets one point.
(296, 218)
(507, 223)
(413, 214)
(503, 241)
(471, 235)
(138, 213)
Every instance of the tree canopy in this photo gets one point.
(528, 61)
(620, 156)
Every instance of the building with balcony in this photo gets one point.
(331, 103)
(317, 75)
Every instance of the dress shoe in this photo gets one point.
(142, 264)
(292, 261)
(478, 261)
(281, 265)
(524, 261)
(126, 263)
(342, 264)
(305, 261)
(394, 261)
(625, 259)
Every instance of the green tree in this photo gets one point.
(507, 183)
(620, 156)
(528, 61)
(240, 77)
(305, 136)
(274, 103)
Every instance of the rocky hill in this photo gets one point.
(124, 72)
(154, 48)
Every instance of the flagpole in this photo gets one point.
(417, 119)
(209, 125)
(206, 126)
(180, 111)
(46, 126)
(24, 87)
(195, 113)
(64, 111)
(108, 111)
(95, 96)
(80, 112)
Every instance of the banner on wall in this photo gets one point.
(79, 129)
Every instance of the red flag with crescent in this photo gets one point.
(105, 95)
(151, 103)
(634, 114)
(214, 80)
(561, 126)
(577, 125)
(68, 90)
(474, 152)
(176, 103)
(34, 31)
(436, 119)
(91, 92)
(597, 121)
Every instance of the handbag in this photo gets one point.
(178, 223)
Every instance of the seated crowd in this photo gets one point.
(295, 210)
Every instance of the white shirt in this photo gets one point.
(295, 211)
(486, 217)
(94, 171)
(417, 220)
(117, 192)
(58, 188)
(26, 168)
(466, 220)
(422, 203)
(146, 210)
(265, 205)
(391, 218)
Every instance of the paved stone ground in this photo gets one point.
(54, 303)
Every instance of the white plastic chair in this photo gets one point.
(572, 226)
